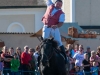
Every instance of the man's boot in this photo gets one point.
(64, 53)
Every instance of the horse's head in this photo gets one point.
(47, 50)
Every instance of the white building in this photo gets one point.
(21, 18)
(18, 20)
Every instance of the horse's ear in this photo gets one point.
(41, 38)
(52, 38)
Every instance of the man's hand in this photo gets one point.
(54, 26)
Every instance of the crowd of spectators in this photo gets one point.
(82, 62)
(25, 62)
(19, 62)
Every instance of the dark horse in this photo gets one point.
(52, 61)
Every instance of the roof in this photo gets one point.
(37, 34)
(63, 30)
(22, 3)
(17, 33)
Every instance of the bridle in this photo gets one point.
(48, 57)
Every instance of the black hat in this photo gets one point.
(58, 1)
(88, 47)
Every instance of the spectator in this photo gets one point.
(72, 71)
(94, 69)
(37, 55)
(32, 62)
(11, 51)
(15, 65)
(98, 51)
(77, 70)
(88, 51)
(25, 59)
(94, 58)
(18, 52)
(68, 62)
(1, 66)
(81, 71)
(81, 48)
(76, 48)
(79, 57)
(86, 64)
(7, 61)
(69, 47)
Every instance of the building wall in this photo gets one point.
(92, 43)
(19, 40)
(87, 12)
(30, 18)
(27, 21)
(66, 9)
(14, 40)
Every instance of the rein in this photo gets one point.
(48, 58)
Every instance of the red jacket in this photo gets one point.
(48, 19)
(25, 58)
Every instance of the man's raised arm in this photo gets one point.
(49, 2)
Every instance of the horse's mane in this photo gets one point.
(54, 42)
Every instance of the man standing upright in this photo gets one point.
(25, 59)
(53, 18)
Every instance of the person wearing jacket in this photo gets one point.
(15, 63)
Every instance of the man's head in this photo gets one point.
(31, 51)
(86, 56)
(58, 4)
(5, 49)
(80, 47)
(26, 48)
(69, 46)
(88, 49)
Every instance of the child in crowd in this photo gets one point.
(1, 66)
(15, 63)
(94, 69)
(76, 71)
(79, 70)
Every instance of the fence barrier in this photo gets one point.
(20, 72)
(36, 72)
